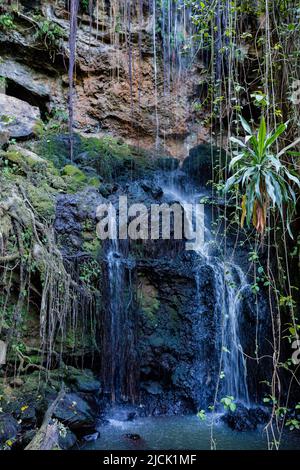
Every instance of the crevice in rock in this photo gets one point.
(18, 91)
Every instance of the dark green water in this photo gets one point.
(182, 433)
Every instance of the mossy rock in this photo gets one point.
(148, 300)
(74, 172)
(42, 201)
(92, 246)
(94, 181)
(25, 158)
(74, 177)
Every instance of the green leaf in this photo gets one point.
(235, 160)
(274, 136)
(238, 142)
(262, 132)
(232, 407)
(245, 125)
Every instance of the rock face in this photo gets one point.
(75, 413)
(245, 419)
(9, 427)
(125, 83)
(168, 354)
(17, 117)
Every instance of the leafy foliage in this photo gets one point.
(49, 33)
(6, 22)
(263, 178)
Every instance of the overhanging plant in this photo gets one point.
(264, 180)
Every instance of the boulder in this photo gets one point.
(75, 413)
(91, 437)
(66, 440)
(201, 162)
(85, 383)
(25, 77)
(25, 158)
(9, 427)
(17, 117)
(24, 409)
(245, 419)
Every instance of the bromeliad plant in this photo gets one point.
(264, 180)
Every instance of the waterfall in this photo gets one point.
(119, 362)
(230, 280)
(177, 32)
(115, 277)
(229, 283)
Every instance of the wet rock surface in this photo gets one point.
(245, 419)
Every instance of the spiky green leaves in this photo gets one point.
(263, 178)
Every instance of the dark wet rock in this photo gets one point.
(245, 419)
(153, 388)
(107, 189)
(260, 415)
(168, 164)
(169, 404)
(155, 191)
(132, 437)
(28, 416)
(131, 416)
(24, 410)
(17, 117)
(201, 161)
(91, 437)
(74, 412)
(67, 439)
(85, 382)
(9, 427)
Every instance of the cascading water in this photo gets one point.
(177, 33)
(119, 371)
(229, 283)
(113, 373)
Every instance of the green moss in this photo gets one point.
(26, 160)
(74, 172)
(74, 177)
(42, 201)
(149, 303)
(94, 182)
(92, 246)
(108, 156)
